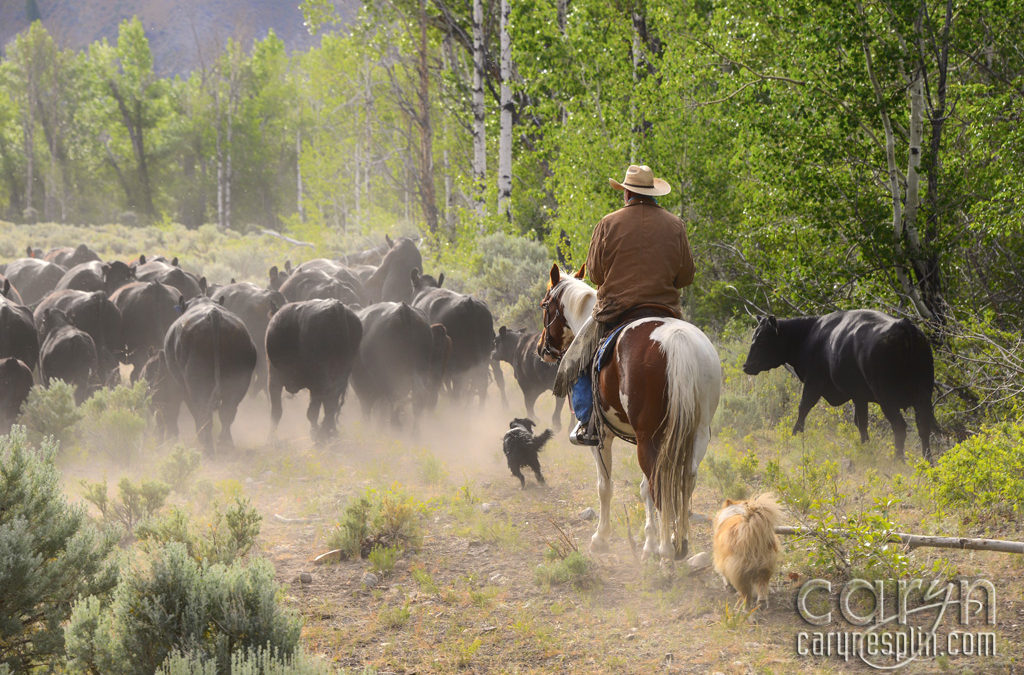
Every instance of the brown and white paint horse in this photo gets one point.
(661, 388)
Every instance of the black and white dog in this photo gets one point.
(521, 448)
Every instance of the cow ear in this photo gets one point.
(556, 274)
(203, 285)
(174, 261)
(221, 301)
(288, 266)
(7, 287)
(233, 280)
(181, 303)
(142, 258)
(415, 276)
(440, 280)
(106, 269)
(29, 253)
(502, 331)
(773, 322)
(390, 243)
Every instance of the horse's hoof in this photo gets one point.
(682, 551)
(598, 545)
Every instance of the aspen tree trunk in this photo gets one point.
(428, 194)
(30, 155)
(505, 137)
(479, 137)
(299, 205)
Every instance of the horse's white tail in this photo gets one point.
(693, 379)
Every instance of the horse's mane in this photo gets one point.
(577, 299)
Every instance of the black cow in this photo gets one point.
(392, 282)
(312, 345)
(33, 278)
(97, 316)
(863, 355)
(97, 276)
(67, 354)
(254, 306)
(148, 308)
(341, 272)
(15, 383)
(209, 353)
(471, 328)
(8, 291)
(534, 375)
(168, 273)
(401, 357)
(68, 257)
(166, 394)
(315, 284)
(18, 337)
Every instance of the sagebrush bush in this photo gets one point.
(50, 554)
(51, 411)
(177, 604)
(262, 661)
(136, 502)
(575, 569)
(178, 467)
(387, 519)
(984, 472)
(113, 421)
(229, 535)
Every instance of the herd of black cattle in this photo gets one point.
(373, 318)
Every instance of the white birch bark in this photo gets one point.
(505, 137)
(299, 202)
(479, 132)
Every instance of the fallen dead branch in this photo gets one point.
(294, 242)
(919, 540)
(294, 521)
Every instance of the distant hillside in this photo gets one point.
(182, 33)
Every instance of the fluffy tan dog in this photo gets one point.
(746, 550)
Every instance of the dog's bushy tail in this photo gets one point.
(757, 532)
(541, 439)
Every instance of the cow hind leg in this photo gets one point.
(899, 427)
(332, 404)
(313, 413)
(860, 418)
(203, 417)
(924, 416)
(274, 393)
(227, 414)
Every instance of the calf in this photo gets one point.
(534, 375)
(97, 316)
(209, 353)
(863, 355)
(68, 257)
(521, 447)
(312, 345)
(168, 273)
(148, 308)
(15, 383)
(67, 354)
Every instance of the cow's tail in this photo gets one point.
(215, 393)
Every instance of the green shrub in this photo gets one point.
(262, 661)
(136, 502)
(389, 519)
(210, 612)
(984, 472)
(575, 569)
(382, 558)
(113, 421)
(230, 535)
(51, 411)
(179, 467)
(51, 554)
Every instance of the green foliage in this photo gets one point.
(51, 555)
(211, 612)
(258, 661)
(136, 503)
(575, 569)
(229, 536)
(114, 420)
(394, 617)
(840, 539)
(382, 558)
(178, 467)
(424, 580)
(51, 411)
(386, 519)
(983, 474)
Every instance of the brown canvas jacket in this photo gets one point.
(638, 255)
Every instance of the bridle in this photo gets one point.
(545, 348)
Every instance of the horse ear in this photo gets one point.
(556, 274)
(581, 271)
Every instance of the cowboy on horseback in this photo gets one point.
(639, 258)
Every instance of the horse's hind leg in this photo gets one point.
(603, 458)
(701, 440)
(650, 525)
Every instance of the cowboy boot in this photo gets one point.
(585, 434)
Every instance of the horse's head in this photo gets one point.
(557, 333)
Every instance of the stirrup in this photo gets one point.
(579, 436)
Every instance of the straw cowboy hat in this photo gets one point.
(640, 180)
